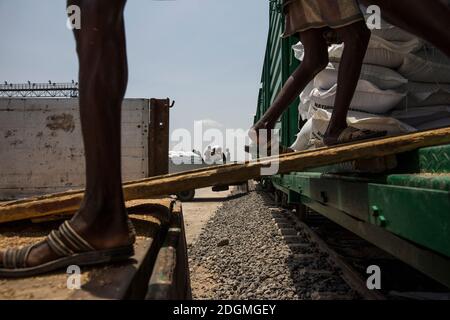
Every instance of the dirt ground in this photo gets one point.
(200, 210)
(196, 215)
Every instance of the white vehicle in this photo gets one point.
(178, 158)
(180, 161)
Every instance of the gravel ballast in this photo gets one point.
(248, 250)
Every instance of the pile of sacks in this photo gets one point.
(404, 87)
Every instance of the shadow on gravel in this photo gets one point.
(221, 199)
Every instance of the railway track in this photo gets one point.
(252, 248)
(352, 256)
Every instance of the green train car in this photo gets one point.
(404, 211)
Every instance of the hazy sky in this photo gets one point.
(205, 54)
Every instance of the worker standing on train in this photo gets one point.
(319, 23)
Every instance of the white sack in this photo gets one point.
(392, 33)
(421, 94)
(442, 123)
(311, 135)
(305, 102)
(384, 78)
(422, 69)
(416, 117)
(303, 141)
(380, 52)
(367, 98)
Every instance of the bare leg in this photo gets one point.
(428, 19)
(315, 60)
(102, 218)
(356, 39)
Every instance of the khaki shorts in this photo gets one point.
(302, 15)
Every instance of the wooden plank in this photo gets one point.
(227, 174)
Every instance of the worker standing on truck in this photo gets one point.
(319, 23)
(100, 231)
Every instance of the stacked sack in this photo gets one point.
(404, 87)
(427, 104)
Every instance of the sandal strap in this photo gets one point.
(54, 240)
(66, 241)
(74, 238)
(17, 258)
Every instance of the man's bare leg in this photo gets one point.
(102, 219)
(356, 39)
(427, 19)
(315, 60)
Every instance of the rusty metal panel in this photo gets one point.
(158, 137)
(41, 149)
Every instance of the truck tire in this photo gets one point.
(186, 196)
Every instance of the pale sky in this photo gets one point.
(205, 54)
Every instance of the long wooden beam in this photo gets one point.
(227, 174)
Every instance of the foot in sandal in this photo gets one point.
(81, 241)
(351, 134)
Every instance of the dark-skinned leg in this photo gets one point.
(103, 80)
(428, 19)
(356, 39)
(315, 60)
(102, 218)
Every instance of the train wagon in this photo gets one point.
(403, 209)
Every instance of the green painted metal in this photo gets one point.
(350, 196)
(419, 215)
(426, 160)
(440, 181)
(435, 159)
(427, 261)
